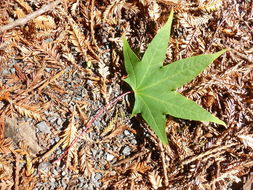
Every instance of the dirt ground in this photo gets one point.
(61, 61)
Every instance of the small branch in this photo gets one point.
(99, 113)
(24, 20)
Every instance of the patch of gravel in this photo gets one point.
(98, 154)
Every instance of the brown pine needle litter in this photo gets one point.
(61, 61)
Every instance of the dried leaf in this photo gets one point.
(5, 145)
(113, 10)
(103, 70)
(248, 184)
(28, 111)
(247, 140)
(210, 5)
(77, 38)
(69, 135)
(25, 5)
(19, 13)
(44, 22)
(22, 132)
(29, 165)
(154, 10)
(6, 169)
(140, 167)
(74, 8)
(118, 131)
(155, 179)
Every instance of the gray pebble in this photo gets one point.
(85, 186)
(52, 141)
(97, 183)
(55, 172)
(58, 151)
(48, 40)
(52, 185)
(43, 127)
(81, 179)
(95, 178)
(126, 132)
(126, 151)
(109, 157)
(64, 185)
(97, 123)
(51, 179)
(44, 166)
(89, 82)
(13, 70)
(134, 141)
(90, 187)
(63, 173)
(52, 119)
(59, 121)
(28, 119)
(98, 176)
(48, 70)
(94, 152)
(46, 112)
(5, 72)
(78, 98)
(56, 139)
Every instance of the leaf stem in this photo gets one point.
(98, 114)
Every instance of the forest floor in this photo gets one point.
(61, 64)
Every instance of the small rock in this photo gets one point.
(81, 179)
(59, 121)
(48, 70)
(78, 98)
(46, 112)
(94, 152)
(89, 82)
(28, 119)
(52, 141)
(133, 141)
(98, 176)
(52, 185)
(56, 139)
(51, 179)
(13, 70)
(126, 132)
(63, 173)
(55, 172)
(85, 186)
(43, 127)
(44, 166)
(48, 40)
(126, 151)
(58, 151)
(109, 157)
(52, 119)
(97, 183)
(64, 185)
(5, 72)
(95, 179)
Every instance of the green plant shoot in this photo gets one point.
(155, 85)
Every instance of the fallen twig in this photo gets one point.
(24, 20)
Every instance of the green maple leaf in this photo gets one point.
(155, 85)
